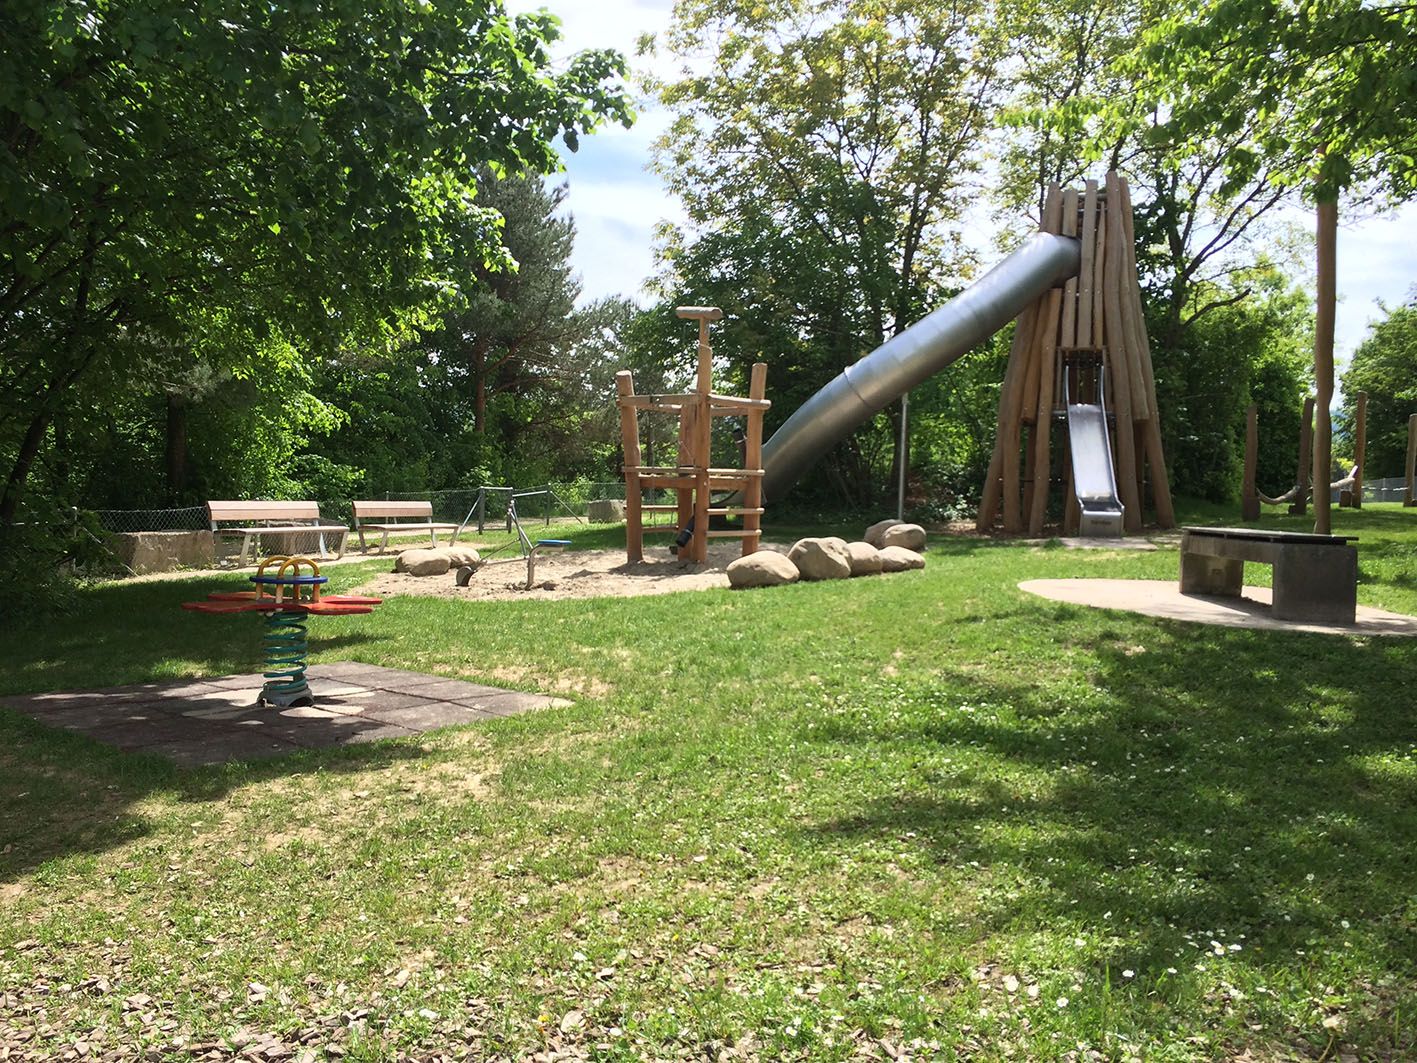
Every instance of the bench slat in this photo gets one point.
(230, 510)
(375, 508)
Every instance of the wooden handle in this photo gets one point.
(701, 313)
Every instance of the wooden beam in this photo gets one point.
(1069, 335)
(1360, 448)
(1249, 491)
(1085, 274)
(753, 457)
(630, 445)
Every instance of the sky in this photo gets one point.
(617, 201)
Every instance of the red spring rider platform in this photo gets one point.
(287, 598)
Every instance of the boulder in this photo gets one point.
(910, 536)
(605, 511)
(459, 556)
(865, 559)
(899, 559)
(875, 532)
(824, 558)
(766, 568)
(423, 562)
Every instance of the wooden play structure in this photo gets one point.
(1409, 498)
(1081, 348)
(1349, 488)
(694, 478)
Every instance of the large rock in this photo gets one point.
(824, 558)
(605, 511)
(910, 536)
(899, 559)
(424, 562)
(865, 559)
(766, 568)
(164, 551)
(460, 555)
(874, 534)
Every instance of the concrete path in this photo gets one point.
(212, 721)
(1163, 598)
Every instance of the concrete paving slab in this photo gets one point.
(212, 721)
(1163, 598)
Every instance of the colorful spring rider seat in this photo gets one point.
(287, 598)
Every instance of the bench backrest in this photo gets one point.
(249, 511)
(364, 510)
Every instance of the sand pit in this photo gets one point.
(574, 574)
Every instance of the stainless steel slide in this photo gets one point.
(1094, 480)
(935, 341)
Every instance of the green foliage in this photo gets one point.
(1320, 87)
(304, 169)
(821, 151)
(1241, 351)
(1385, 366)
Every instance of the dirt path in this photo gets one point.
(574, 574)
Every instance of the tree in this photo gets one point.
(1323, 89)
(302, 168)
(821, 148)
(1385, 366)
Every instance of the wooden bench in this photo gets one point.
(275, 518)
(375, 510)
(1315, 576)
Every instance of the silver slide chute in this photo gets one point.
(937, 340)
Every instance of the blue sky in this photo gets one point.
(617, 201)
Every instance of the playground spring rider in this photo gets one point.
(287, 598)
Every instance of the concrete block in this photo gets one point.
(164, 551)
(605, 511)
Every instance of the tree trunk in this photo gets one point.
(176, 456)
(20, 471)
(1327, 226)
(479, 386)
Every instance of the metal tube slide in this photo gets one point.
(934, 342)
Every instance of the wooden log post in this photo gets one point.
(1326, 246)
(1410, 497)
(1043, 417)
(1136, 330)
(1249, 492)
(703, 458)
(1306, 442)
(989, 502)
(630, 446)
(1068, 337)
(1360, 448)
(753, 459)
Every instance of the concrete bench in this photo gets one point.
(374, 510)
(276, 518)
(1315, 576)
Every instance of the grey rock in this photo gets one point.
(821, 558)
(899, 559)
(874, 534)
(766, 568)
(865, 559)
(910, 536)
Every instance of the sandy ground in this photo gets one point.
(573, 574)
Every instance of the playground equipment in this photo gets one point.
(1410, 499)
(1095, 319)
(1083, 243)
(287, 598)
(693, 478)
(1349, 488)
(478, 514)
(529, 549)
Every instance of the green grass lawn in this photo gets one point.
(923, 813)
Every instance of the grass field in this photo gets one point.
(921, 815)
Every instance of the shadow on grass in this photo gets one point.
(1242, 786)
(66, 794)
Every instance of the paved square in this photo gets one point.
(212, 721)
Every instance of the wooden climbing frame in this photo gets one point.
(694, 477)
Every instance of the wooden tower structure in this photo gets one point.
(1095, 319)
(694, 477)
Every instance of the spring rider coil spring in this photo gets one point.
(288, 598)
(286, 643)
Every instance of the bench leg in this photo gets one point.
(343, 542)
(1318, 586)
(245, 550)
(1211, 575)
(363, 547)
(384, 543)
